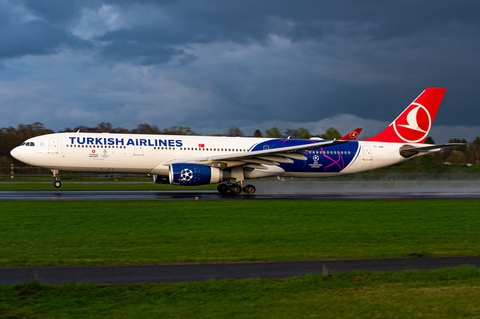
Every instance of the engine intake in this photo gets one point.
(161, 179)
(194, 174)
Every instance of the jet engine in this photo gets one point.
(160, 179)
(194, 174)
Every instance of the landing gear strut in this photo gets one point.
(235, 188)
(57, 182)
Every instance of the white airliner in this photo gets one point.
(229, 161)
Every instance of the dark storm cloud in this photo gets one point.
(34, 38)
(252, 21)
(59, 11)
(254, 61)
(20, 36)
(243, 21)
(247, 21)
(131, 51)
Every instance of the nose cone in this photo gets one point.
(20, 154)
(15, 152)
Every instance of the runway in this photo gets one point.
(314, 190)
(200, 272)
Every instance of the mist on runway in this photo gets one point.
(389, 184)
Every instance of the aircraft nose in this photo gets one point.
(19, 154)
(15, 152)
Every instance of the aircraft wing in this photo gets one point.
(256, 159)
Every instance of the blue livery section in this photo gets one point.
(190, 174)
(330, 159)
(280, 142)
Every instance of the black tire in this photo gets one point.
(235, 189)
(57, 184)
(222, 188)
(249, 189)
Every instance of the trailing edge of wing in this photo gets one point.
(276, 158)
(280, 151)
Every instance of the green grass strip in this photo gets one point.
(443, 293)
(56, 233)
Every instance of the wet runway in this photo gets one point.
(200, 272)
(316, 190)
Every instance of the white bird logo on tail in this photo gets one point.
(415, 131)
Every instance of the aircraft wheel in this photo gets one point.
(222, 188)
(235, 189)
(249, 189)
(57, 184)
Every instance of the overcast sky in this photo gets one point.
(216, 64)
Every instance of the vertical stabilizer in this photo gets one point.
(414, 123)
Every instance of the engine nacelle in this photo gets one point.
(161, 179)
(194, 174)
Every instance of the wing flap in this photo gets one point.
(253, 165)
(295, 156)
(258, 160)
(278, 159)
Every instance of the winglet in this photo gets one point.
(352, 135)
(414, 123)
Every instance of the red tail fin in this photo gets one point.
(353, 135)
(413, 125)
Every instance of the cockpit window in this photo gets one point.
(27, 144)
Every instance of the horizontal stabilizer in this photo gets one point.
(408, 150)
(434, 147)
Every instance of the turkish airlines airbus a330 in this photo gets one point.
(229, 161)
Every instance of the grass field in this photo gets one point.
(54, 233)
(444, 293)
(43, 233)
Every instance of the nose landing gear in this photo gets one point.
(56, 174)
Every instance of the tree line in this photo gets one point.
(11, 137)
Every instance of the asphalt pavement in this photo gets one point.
(200, 272)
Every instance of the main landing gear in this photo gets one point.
(235, 188)
(57, 182)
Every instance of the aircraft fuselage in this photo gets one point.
(150, 154)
